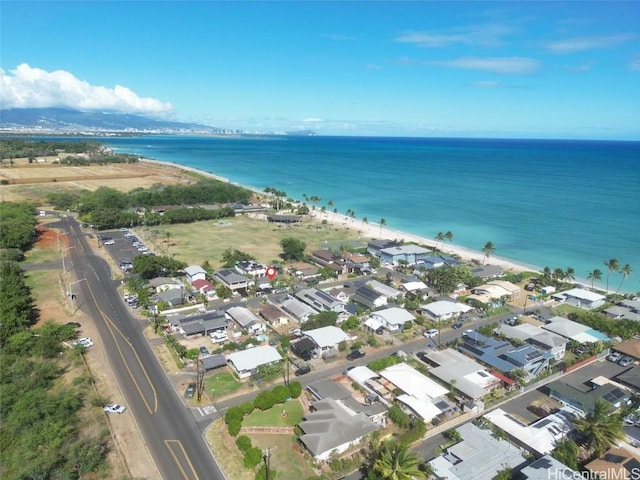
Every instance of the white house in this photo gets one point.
(327, 337)
(580, 297)
(246, 362)
(394, 318)
(443, 310)
(195, 272)
(245, 319)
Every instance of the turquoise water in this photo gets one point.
(541, 202)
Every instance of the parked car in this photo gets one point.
(110, 242)
(432, 332)
(204, 351)
(355, 354)
(83, 342)
(114, 408)
(625, 361)
(457, 325)
(614, 357)
(73, 324)
(302, 371)
(190, 391)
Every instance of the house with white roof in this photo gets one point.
(382, 289)
(580, 297)
(541, 468)
(195, 272)
(574, 330)
(232, 280)
(327, 338)
(421, 395)
(545, 340)
(479, 456)
(495, 292)
(246, 362)
(411, 254)
(393, 319)
(298, 310)
(469, 377)
(251, 268)
(245, 319)
(540, 437)
(443, 310)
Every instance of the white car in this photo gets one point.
(83, 342)
(115, 408)
(614, 357)
(431, 333)
(110, 242)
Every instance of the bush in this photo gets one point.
(246, 407)
(281, 393)
(399, 417)
(252, 457)
(295, 389)
(234, 414)
(264, 400)
(234, 427)
(243, 443)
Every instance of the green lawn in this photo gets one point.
(564, 310)
(285, 456)
(194, 243)
(273, 417)
(221, 384)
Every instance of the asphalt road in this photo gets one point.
(169, 429)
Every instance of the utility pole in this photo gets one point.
(266, 454)
(199, 378)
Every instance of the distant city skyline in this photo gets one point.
(424, 69)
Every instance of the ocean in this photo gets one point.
(540, 202)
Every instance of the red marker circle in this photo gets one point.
(271, 272)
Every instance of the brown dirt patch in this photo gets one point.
(48, 238)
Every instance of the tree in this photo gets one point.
(594, 275)
(448, 236)
(601, 428)
(438, 238)
(292, 248)
(567, 452)
(383, 222)
(488, 250)
(626, 271)
(612, 266)
(569, 275)
(396, 462)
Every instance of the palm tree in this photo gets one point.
(569, 275)
(612, 266)
(600, 428)
(330, 204)
(594, 275)
(626, 271)
(364, 220)
(383, 222)
(438, 238)
(558, 274)
(448, 236)
(396, 462)
(488, 250)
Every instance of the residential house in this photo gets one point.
(320, 301)
(213, 362)
(331, 428)
(495, 293)
(298, 310)
(251, 269)
(545, 340)
(355, 262)
(174, 297)
(580, 297)
(409, 254)
(205, 287)
(467, 376)
(305, 271)
(436, 261)
(420, 395)
(245, 319)
(232, 280)
(326, 258)
(195, 272)
(503, 356)
(273, 315)
(541, 469)
(383, 289)
(327, 338)
(584, 402)
(539, 437)
(574, 330)
(478, 456)
(374, 247)
(246, 362)
(160, 284)
(616, 463)
(415, 289)
(444, 310)
(393, 319)
(486, 272)
(305, 348)
(369, 298)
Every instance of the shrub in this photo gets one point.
(234, 414)
(281, 393)
(264, 400)
(252, 457)
(246, 407)
(243, 443)
(295, 389)
(234, 427)
(399, 417)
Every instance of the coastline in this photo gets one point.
(374, 230)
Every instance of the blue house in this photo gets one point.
(503, 356)
(412, 254)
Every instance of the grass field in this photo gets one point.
(285, 456)
(196, 242)
(273, 417)
(221, 384)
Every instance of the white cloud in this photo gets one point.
(27, 87)
(489, 35)
(581, 44)
(505, 65)
(312, 120)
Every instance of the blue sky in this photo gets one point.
(470, 69)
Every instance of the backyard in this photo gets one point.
(221, 384)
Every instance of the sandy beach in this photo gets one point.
(374, 231)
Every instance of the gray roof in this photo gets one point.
(297, 309)
(328, 389)
(479, 456)
(544, 467)
(330, 426)
(585, 401)
(193, 329)
(243, 316)
(159, 281)
(213, 361)
(252, 358)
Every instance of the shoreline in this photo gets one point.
(375, 231)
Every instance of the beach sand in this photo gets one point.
(374, 231)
